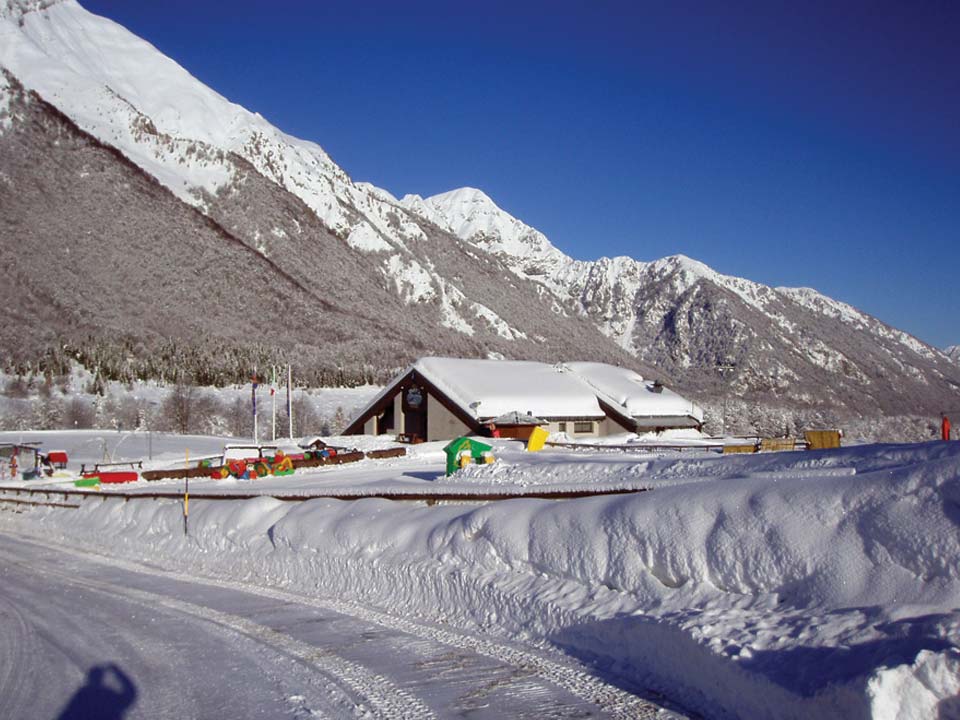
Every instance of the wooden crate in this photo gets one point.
(777, 444)
(822, 439)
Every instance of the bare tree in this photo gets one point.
(16, 387)
(339, 421)
(78, 414)
(207, 415)
(175, 413)
(305, 418)
(239, 418)
(47, 412)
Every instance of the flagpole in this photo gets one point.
(289, 401)
(273, 398)
(253, 395)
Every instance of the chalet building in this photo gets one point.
(444, 398)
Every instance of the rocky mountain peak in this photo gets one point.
(472, 215)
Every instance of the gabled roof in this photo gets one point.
(479, 391)
(632, 394)
(486, 389)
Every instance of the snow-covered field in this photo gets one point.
(783, 585)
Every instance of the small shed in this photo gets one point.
(516, 425)
(456, 448)
(58, 458)
(315, 443)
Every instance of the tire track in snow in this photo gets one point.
(611, 699)
(19, 649)
(378, 697)
(608, 698)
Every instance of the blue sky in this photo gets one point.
(803, 144)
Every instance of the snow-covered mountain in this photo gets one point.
(679, 315)
(471, 215)
(125, 93)
(95, 122)
(953, 352)
(351, 246)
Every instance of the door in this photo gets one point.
(415, 413)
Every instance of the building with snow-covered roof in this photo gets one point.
(644, 405)
(442, 398)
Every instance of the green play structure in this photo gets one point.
(465, 450)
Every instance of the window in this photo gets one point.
(561, 427)
(583, 427)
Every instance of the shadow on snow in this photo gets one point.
(107, 694)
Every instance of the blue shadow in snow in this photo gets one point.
(424, 475)
(107, 694)
(804, 670)
(809, 669)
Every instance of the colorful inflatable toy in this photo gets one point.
(282, 464)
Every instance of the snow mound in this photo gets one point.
(789, 585)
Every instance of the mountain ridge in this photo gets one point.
(819, 342)
(451, 273)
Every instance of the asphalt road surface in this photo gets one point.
(91, 637)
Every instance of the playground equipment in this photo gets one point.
(466, 450)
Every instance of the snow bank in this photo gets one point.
(792, 585)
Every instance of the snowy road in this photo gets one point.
(141, 642)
